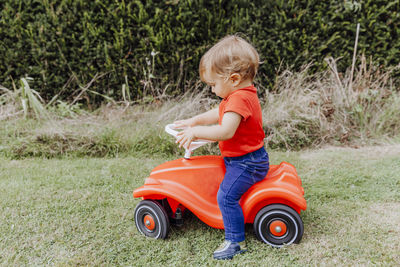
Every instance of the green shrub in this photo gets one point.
(153, 47)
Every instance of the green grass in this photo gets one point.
(79, 211)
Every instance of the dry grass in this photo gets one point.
(304, 111)
(330, 108)
(22, 100)
(109, 131)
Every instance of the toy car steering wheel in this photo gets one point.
(170, 129)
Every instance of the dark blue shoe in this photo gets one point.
(229, 249)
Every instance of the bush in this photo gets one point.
(73, 47)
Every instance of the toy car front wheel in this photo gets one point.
(151, 219)
(278, 225)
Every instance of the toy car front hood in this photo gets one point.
(192, 164)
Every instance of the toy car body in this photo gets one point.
(273, 205)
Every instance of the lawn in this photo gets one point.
(79, 211)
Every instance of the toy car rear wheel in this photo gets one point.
(151, 219)
(278, 225)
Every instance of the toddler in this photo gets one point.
(229, 67)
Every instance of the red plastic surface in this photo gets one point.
(194, 184)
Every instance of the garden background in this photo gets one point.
(86, 88)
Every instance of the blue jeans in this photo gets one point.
(241, 173)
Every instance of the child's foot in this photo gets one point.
(229, 249)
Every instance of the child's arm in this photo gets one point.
(206, 118)
(225, 131)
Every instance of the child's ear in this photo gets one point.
(236, 78)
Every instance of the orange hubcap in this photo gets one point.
(149, 222)
(278, 228)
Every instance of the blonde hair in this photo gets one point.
(232, 54)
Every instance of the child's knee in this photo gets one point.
(224, 199)
(220, 197)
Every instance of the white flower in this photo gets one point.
(154, 53)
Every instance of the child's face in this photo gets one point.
(220, 86)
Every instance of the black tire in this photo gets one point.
(278, 225)
(151, 219)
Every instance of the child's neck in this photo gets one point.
(243, 84)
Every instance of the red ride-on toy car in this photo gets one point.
(273, 205)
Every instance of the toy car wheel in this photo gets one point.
(151, 219)
(278, 225)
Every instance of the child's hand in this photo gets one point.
(186, 137)
(182, 124)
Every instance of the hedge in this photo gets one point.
(154, 47)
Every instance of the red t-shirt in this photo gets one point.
(250, 135)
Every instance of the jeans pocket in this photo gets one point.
(260, 174)
(258, 164)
